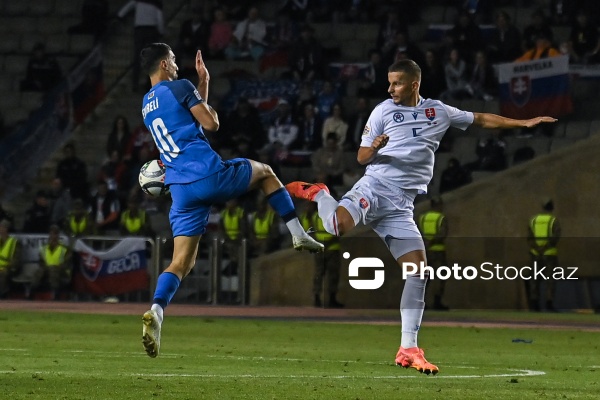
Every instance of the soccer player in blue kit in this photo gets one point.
(176, 113)
(398, 143)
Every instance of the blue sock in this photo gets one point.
(166, 286)
(282, 203)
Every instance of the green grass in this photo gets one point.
(76, 356)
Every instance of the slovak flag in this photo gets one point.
(534, 88)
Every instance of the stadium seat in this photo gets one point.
(58, 43)
(464, 148)
(577, 130)
(15, 63)
(343, 32)
(68, 7)
(51, 25)
(353, 50)
(492, 106)
(31, 100)
(367, 32)
(473, 105)
(219, 87)
(322, 31)
(80, 44)
(479, 175)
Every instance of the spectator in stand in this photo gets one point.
(482, 84)
(285, 32)
(538, 27)
(490, 155)
(119, 136)
(193, 36)
(61, 203)
(78, 222)
(543, 49)
(94, 18)
(105, 209)
(249, 38)
(310, 125)
(328, 162)
(72, 171)
(403, 48)
(335, 123)
(375, 80)
(221, 35)
(37, 217)
(306, 57)
(356, 124)
(282, 133)
(244, 123)
(43, 72)
(454, 176)
(245, 149)
(148, 27)
(455, 72)
(505, 44)
(326, 98)
(386, 34)
(466, 35)
(113, 171)
(562, 12)
(433, 79)
(583, 44)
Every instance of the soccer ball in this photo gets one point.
(152, 178)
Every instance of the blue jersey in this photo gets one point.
(179, 137)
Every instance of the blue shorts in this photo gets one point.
(192, 201)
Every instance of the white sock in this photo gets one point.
(159, 311)
(412, 305)
(295, 227)
(327, 206)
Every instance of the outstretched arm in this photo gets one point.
(493, 121)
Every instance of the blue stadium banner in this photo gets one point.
(120, 269)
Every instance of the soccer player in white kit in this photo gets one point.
(398, 145)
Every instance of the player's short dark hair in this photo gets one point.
(151, 55)
(409, 67)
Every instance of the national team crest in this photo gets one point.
(430, 113)
(398, 117)
(520, 90)
(363, 203)
(90, 265)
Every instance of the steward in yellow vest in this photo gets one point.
(55, 264)
(434, 229)
(264, 229)
(10, 258)
(135, 221)
(543, 235)
(233, 224)
(79, 222)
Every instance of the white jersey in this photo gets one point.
(414, 135)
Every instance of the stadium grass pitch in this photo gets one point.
(76, 356)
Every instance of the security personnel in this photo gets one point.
(79, 221)
(326, 263)
(10, 258)
(233, 228)
(543, 236)
(434, 229)
(263, 229)
(55, 265)
(135, 221)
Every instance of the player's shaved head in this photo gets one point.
(152, 55)
(409, 67)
